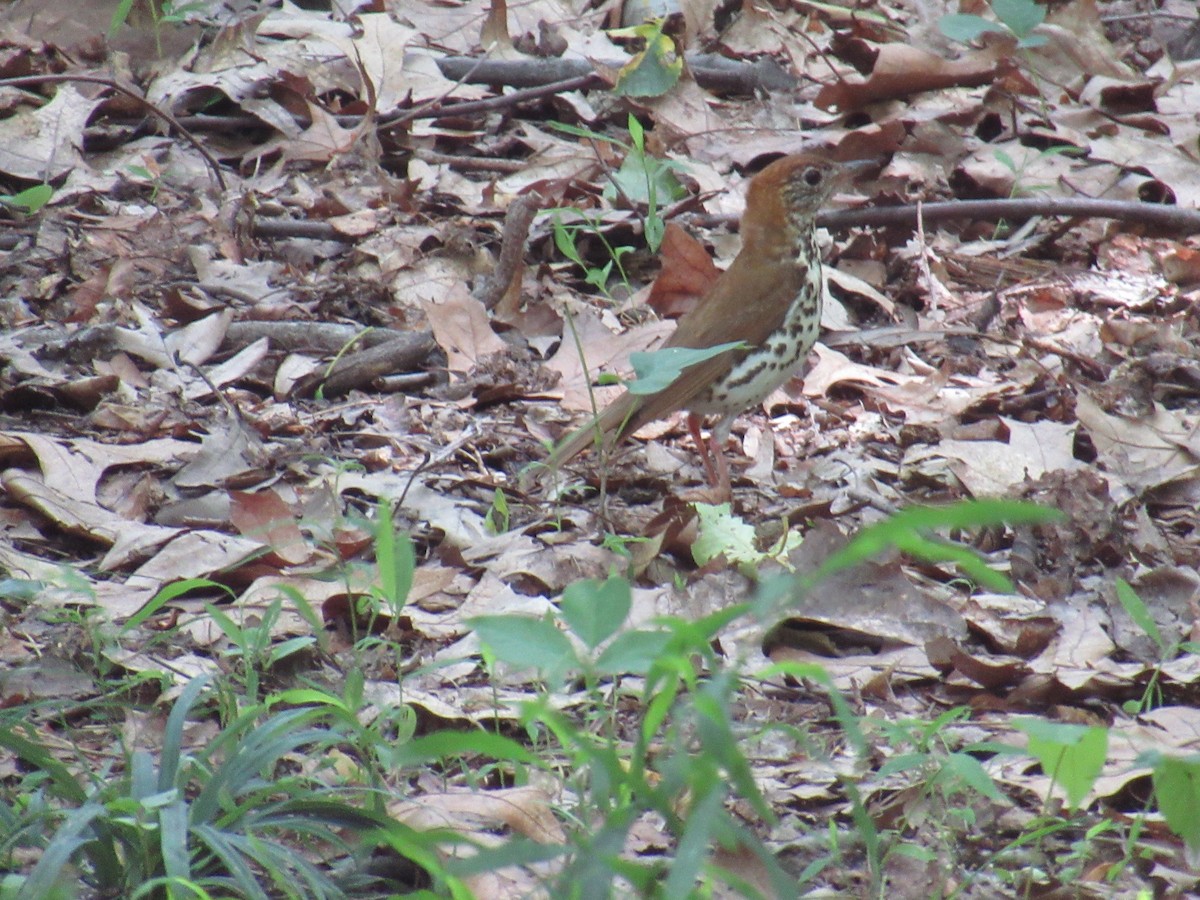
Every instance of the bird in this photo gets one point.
(768, 302)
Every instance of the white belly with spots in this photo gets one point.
(769, 365)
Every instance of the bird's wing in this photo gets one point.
(728, 316)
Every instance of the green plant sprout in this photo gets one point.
(641, 179)
(30, 200)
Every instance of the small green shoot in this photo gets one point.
(30, 200)
(641, 179)
(497, 519)
(1137, 610)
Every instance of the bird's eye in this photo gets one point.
(812, 176)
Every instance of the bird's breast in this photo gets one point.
(767, 365)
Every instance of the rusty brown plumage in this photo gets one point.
(769, 299)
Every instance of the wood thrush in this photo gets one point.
(769, 300)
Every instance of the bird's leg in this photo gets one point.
(693, 424)
(724, 490)
(712, 454)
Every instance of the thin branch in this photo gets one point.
(711, 72)
(489, 104)
(1156, 214)
(517, 221)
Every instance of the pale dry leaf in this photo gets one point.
(605, 352)
(462, 328)
(995, 468)
(43, 144)
(1143, 453)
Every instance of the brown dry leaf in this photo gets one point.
(901, 70)
(876, 600)
(834, 368)
(462, 328)
(995, 468)
(43, 144)
(230, 454)
(1144, 453)
(1018, 625)
(528, 811)
(263, 516)
(321, 142)
(1081, 646)
(686, 275)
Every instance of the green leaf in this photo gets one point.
(1137, 611)
(632, 652)
(966, 28)
(564, 240)
(1072, 755)
(658, 369)
(644, 179)
(970, 772)
(637, 134)
(1177, 787)
(594, 610)
(31, 199)
(394, 557)
(721, 532)
(525, 641)
(442, 745)
(652, 72)
(1022, 16)
(904, 528)
(169, 593)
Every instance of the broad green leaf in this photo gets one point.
(652, 72)
(632, 652)
(594, 610)
(966, 28)
(658, 369)
(31, 199)
(525, 641)
(1022, 16)
(1072, 755)
(1177, 787)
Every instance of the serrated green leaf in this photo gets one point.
(721, 532)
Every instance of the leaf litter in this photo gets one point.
(193, 458)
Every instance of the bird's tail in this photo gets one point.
(605, 430)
